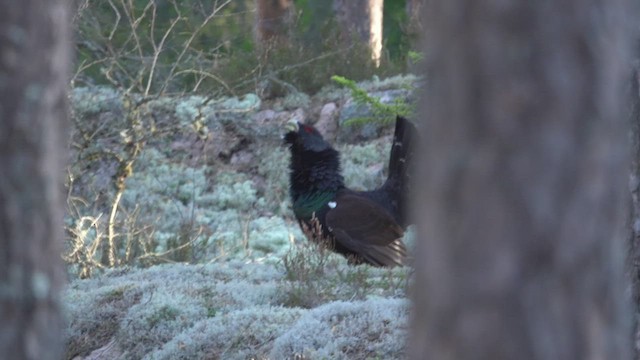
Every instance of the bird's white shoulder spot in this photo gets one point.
(332, 204)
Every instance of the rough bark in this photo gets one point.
(274, 19)
(34, 68)
(521, 250)
(361, 20)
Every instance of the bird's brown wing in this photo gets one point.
(367, 229)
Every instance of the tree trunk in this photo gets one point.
(316, 30)
(634, 244)
(524, 192)
(274, 19)
(414, 12)
(34, 69)
(361, 20)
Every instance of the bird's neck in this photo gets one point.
(315, 174)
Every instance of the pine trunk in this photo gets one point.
(361, 20)
(274, 19)
(634, 244)
(522, 231)
(414, 12)
(34, 69)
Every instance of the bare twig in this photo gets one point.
(187, 45)
(157, 49)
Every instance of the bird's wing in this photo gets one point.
(366, 228)
(393, 254)
(363, 220)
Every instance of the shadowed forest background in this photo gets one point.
(145, 212)
(235, 47)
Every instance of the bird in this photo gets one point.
(363, 226)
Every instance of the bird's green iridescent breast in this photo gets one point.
(305, 205)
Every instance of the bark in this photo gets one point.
(34, 68)
(274, 19)
(314, 36)
(634, 184)
(524, 191)
(414, 11)
(361, 20)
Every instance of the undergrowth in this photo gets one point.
(315, 275)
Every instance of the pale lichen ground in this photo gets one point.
(238, 310)
(230, 276)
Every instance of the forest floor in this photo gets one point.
(181, 241)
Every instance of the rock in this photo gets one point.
(264, 117)
(242, 158)
(95, 100)
(300, 115)
(327, 124)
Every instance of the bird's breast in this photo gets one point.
(307, 205)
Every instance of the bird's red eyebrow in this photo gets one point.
(308, 129)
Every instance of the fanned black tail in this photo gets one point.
(401, 155)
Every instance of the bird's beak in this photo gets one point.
(292, 126)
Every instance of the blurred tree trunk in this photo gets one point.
(524, 196)
(414, 13)
(361, 20)
(34, 69)
(317, 25)
(634, 182)
(414, 30)
(273, 22)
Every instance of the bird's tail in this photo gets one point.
(402, 149)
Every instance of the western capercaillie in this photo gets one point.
(364, 226)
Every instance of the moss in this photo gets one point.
(333, 279)
(364, 164)
(184, 200)
(295, 100)
(163, 314)
(94, 314)
(246, 103)
(270, 236)
(144, 309)
(87, 101)
(235, 195)
(244, 334)
(157, 319)
(253, 267)
(347, 330)
(274, 169)
(189, 109)
(207, 214)
(235, 308)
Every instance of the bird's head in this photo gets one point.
(304, 137)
